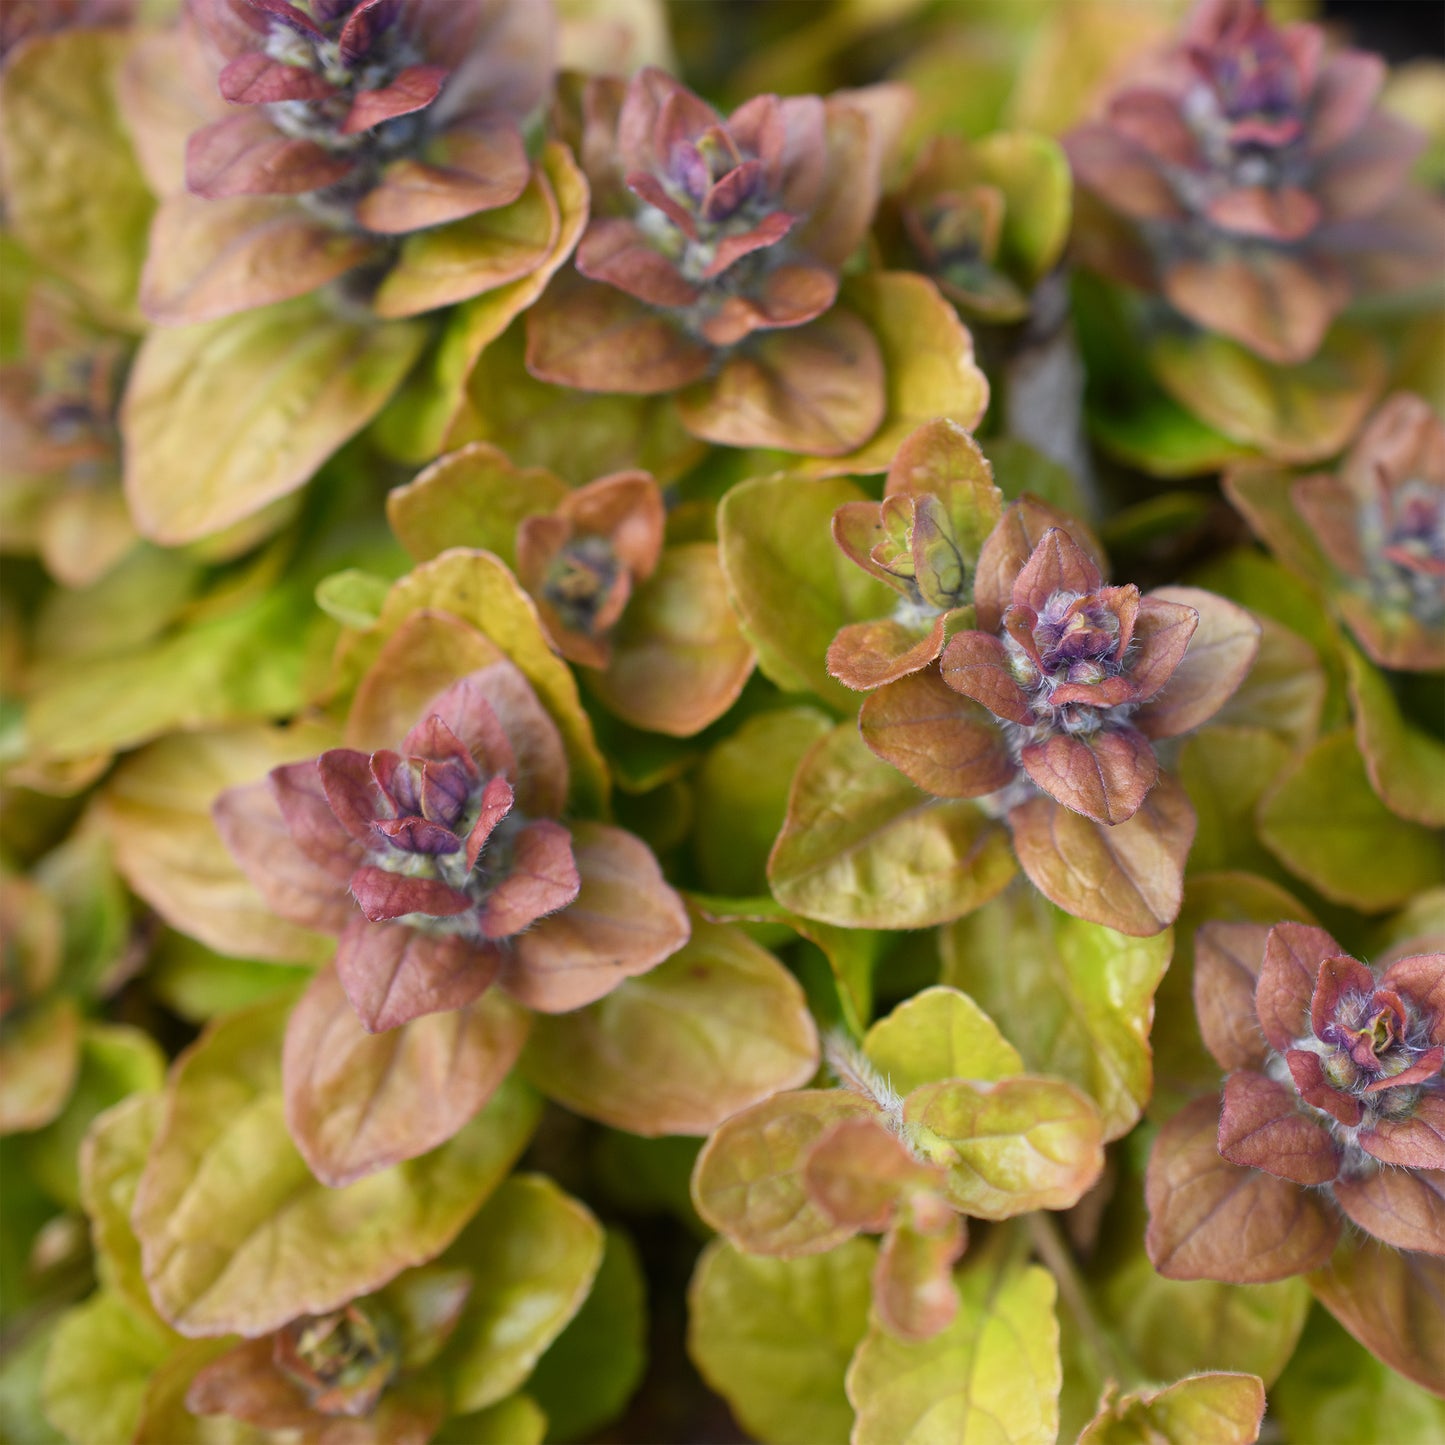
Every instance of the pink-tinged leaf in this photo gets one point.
(1336, 978)
(1227, 959)
(294, 885)
(382, 895)
(351, 792)
(434, 740)
(461, 723)
(541, 877)
(748, 1180)
(1414, 1142)
(245, 1384)
(1404, 1208)
(1314, 1088)
(1421, 980)
(788, 297)
(976, 665)
(468, 169)
(913, 1289)
(942, 742)
(357, 1102)
(1057, 564)
(393, 974)
(1126, 175)
(817, 389)
(1342, 97)
(1162, 634)
(1129, 877)
(244, 155)
(1293, 956)
(1210, 1219)
(868, 655)
(616, 253)
(255, 79)
(414, 88)
(1332, 512)
(1153, 120)
(300, 793)
(596, 338)
(1392, 1302)
(1261, 1126)
(1105, 777)
(1425, 1068)
(1220, 654)
(858, 1172)
(496, 803)
(1284, 214)
(624, 921)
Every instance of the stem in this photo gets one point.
(1112, 1359)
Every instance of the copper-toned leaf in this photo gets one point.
(913, 1288)
(623, 922)
(393, 973)
(1261, 1126)
(1227, 959)
(357, 1102)
(1105, 775)
(1293, 956)
(1404, 1208)
(748, 1181)
(943, 742)
(1129, 876)
(976, 665)
(1222, 649)
(1210, 1219)
(867, 655)
(858, 1173)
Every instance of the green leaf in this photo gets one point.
(223, 418)
(115, 1060)
(748, 1181)
(993, 1375)
(353, 597)
(39, 1058)
(708, 1032)
(790, 583)
(1033, 174)
(1296, 413)
(1225, 771)
(774, 1336)
(474, 497)
(862, 847)
(1323, 821)
(220, 1259)
(1406, 766)
(517, 1420)
(593, 1367)
(533, 1253)
(1076, 998)
(99, 1366)
(1285, 690)
(22, 1419)
(74, 194)
(939, 1034)
(1009, 1147)
(1334, 1392)
(740, 795)
(1212, 1409)
(111, 1159)
(197, 983)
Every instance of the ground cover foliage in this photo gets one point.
(720, 721)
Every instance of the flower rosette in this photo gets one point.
(1048, 709)
(1371, 535)
(1333, 1111)
(712, 263)
(1249, 177)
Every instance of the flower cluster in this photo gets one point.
(1266, 185)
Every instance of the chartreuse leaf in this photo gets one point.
(993, 1375)
(533, 1253)
(1075, 998)
(1405, 765)
(740, 795)
(116, 1060)
(774, 1336)
(517, 1420)
(718, 1026)
(862, 847)
(73, 191)
(198, 983)
(111, 1159)
(1020, 1144)
(1226, 770)
(222, 418)
(1335, 1392)
(1212, 1409)
(1324, 822)
(221, 1259)
(592, 1368)
(790, 583)
(939, 1034)
(352, 597)
(39, 1058)
(98, 1368)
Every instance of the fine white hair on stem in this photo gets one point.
(854, 1071)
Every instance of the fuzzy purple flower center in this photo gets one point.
(1403, 534)
(1078, 639)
